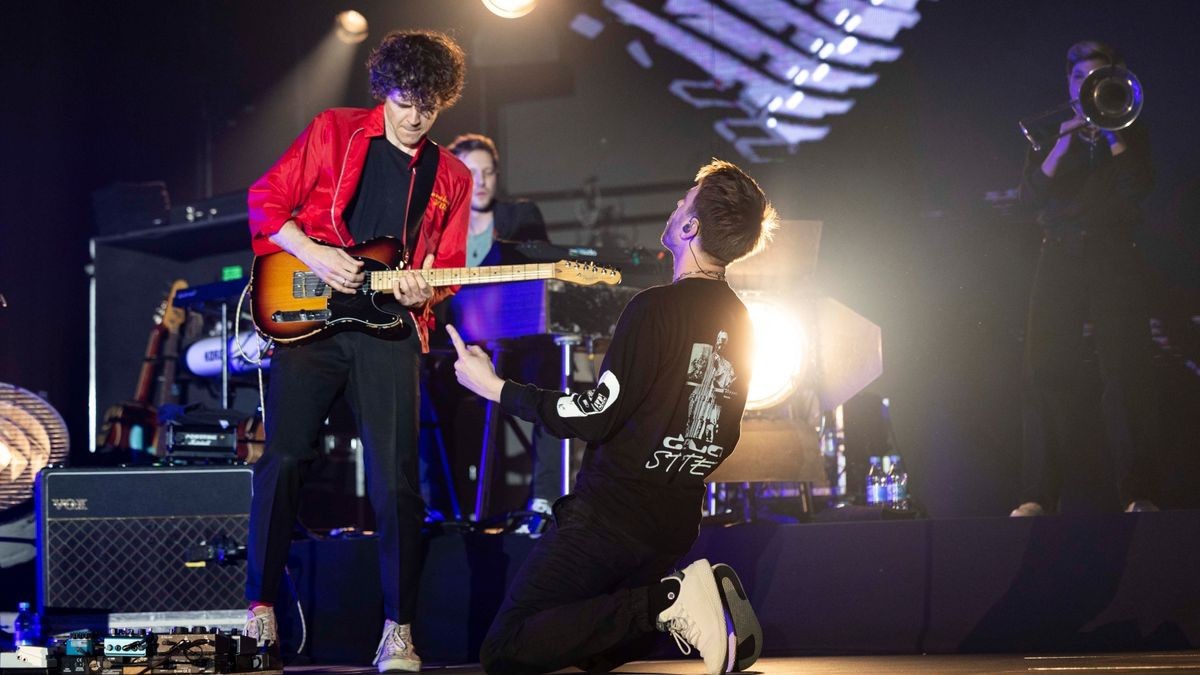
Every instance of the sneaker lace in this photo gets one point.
(684, 632)
(392, 643)
(259, 627)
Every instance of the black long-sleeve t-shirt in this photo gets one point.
(1091, 190)
(665, 410)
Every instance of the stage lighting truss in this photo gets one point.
(351, 27)
(781, 353)
(510, 9)
(780, 68)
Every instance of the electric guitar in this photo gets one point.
(290, 303)
(133, 424)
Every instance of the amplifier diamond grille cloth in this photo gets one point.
(137, 564)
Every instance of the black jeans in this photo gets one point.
(580, 599)
(379, 378)
(1083, 278)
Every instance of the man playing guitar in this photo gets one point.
(351, 176)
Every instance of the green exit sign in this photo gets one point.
(231, 273)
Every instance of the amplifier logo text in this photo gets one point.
(69, 504)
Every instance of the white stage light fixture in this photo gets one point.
(510, 9)
(32, 436)
(780, 352)
(351, 27)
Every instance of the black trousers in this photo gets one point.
(1098, 280)
(379, 379)
(580, 599)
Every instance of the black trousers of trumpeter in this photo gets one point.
(1101, 281)
(379, 380)
(579, 599)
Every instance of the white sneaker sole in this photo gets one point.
(399, 666)
(730, 643)
(745, 632)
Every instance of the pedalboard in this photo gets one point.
(182, 651)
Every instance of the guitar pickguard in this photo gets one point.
(378, 311)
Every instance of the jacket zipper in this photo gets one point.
(337, 187)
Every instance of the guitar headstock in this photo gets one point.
(586, 273)
(172, 317)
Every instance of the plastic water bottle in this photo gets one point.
(896, 479)
(876, 483)
(25, 626)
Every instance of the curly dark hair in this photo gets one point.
(736, 220)
(425, 66)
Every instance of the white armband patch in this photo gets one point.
(593, 401)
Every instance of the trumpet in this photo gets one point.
(1110, 98)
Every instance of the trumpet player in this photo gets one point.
(1087, 190)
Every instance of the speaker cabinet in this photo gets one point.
(116, 540)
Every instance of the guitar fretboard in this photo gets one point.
(461, 276)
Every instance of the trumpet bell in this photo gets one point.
(1110, 98)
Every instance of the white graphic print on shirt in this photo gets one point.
(593, 401)
(710, 376)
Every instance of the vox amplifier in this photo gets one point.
(117, 540)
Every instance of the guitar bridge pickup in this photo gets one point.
(307, 285)
(301, 315)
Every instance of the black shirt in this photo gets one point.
(511, 222)
(666, 409)
(1091, 191)
(378, 207)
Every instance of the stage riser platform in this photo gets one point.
(988, 585)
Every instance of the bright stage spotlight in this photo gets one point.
(510, 9)
(780, 350)
(351, 27)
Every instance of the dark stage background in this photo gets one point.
(204, 95)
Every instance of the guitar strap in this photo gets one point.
(419, 192)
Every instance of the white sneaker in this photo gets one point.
(1140, 506)
(698, 620)
(1028, 509)
(396, 651)
(743, 621)
(260, 625)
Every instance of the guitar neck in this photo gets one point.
(463, 276)
(170, 360)
(141, 392)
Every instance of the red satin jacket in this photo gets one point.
(318, 175)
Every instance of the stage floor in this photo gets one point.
(1180, 662)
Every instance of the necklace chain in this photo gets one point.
(719, 276)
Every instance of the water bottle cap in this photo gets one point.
(22, 606)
